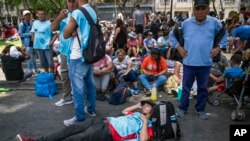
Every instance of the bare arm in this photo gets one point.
(144, 132)
(131, 108)
(117, 31)
(53, 40)
(70, 28)
(56, 23)
(108, 69)
(32, 36)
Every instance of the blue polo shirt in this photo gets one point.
(42, 34)
(198, 40)
(243, 32)
(65, 44)
(83, 24)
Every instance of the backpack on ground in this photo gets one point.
(96, 48)
(165, 124)
(119, 94)
(45, 85)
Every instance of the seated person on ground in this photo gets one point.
(123, 67)
(233, 72)
(149, 42)
(154, 68)
(245, 59)
(12, 58)
(102, 73)
(132, 126)
(217, 70)
(162, 42)
(133, 44)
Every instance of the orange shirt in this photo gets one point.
(150, 65)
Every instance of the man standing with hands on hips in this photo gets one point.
(198, 32)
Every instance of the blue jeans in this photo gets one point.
(31, 63)
(201, 73)
(81, 78)
(160, 80)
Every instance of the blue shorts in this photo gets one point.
(46, 58)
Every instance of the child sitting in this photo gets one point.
(234, 72)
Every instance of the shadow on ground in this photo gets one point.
(22, 112)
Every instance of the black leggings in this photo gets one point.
(89, 130)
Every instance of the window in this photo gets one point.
(182, 0)
(163, 2)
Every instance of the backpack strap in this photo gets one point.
(87, 15)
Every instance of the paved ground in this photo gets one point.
(23, 112)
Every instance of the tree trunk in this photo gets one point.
(215, 11)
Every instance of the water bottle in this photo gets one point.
(154, 93)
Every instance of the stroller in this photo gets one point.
(238, 88)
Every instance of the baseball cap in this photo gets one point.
(201, 3)
(150, 102)
(26, 12)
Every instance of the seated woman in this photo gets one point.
(153, 67)
(133, 44)
(12, 58)
(123, 67)
(102, 72)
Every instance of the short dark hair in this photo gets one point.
(137, 6)
(40, 9)
(236, 59)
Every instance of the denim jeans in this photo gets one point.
(81, 78)
(31, 63)
(201, 73)
(158, 81)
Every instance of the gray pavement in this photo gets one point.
(23, 112)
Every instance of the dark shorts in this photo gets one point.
(139, 29)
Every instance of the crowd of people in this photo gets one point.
(140, 50)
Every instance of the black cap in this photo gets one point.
(150, 102)
(201, 3)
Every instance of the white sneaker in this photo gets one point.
(92, 114)
(62, 102)
(69, 122)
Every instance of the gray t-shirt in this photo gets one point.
(138, 15)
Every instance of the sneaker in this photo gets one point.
(62, 102)
(21, 137)
(92, 114)
(71, 121)
(37, 71)
(181, 113)
(202, 115)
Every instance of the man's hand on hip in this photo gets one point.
(215, 51)
(182, 51)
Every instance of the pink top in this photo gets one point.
(132, 42)
(103, 63)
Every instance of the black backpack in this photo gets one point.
(164, 120)
(174, 54)
(119, 94)
(95, 49)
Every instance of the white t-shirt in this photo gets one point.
(76, 51)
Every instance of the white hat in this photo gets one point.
(132, 34)
(14, 52)
(26, 12)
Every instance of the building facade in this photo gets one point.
(186, 6)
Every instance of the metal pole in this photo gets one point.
(115, 10)
(171, 10)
